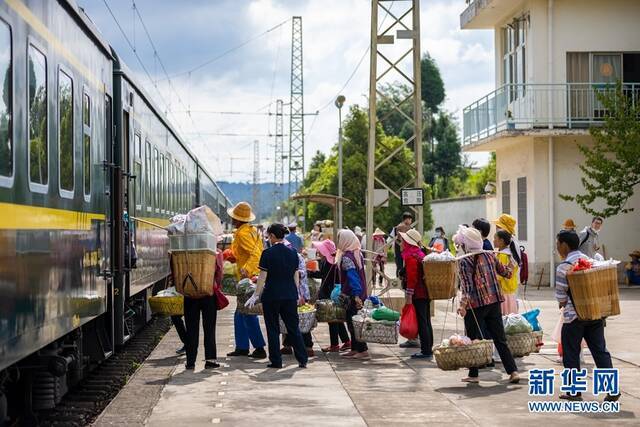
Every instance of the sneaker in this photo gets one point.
(421, 355)
(346, 346)
(331, 349)
(286, 350)
(210, 364)
(238, 352)
(472, 380)
(310, 352)
(258, 353)
(181, 350)
(576, 398)
(410, 344)
(363, 355)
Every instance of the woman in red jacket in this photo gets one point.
(416, 292)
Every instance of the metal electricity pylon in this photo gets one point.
(256, 176)
(396, 47)
(278, 175)
(296, 123)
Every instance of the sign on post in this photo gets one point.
(412, 196)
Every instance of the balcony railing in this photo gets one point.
(520, 107)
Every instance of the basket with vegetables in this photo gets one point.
(520, 337)
(379, 326)
(329, 311)
(244, 290)
(167, 302)
(307, 322)
(461, 352)
(440, 271)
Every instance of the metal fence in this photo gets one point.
(530, 106)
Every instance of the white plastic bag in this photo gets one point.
(176, 225)
(516, 324)
(203, 220)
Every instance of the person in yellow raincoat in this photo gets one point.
(509, 286)
(247, 248)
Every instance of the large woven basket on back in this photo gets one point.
(330, 312)
(594, 292)
(473, 355)
(193, 272)
(440, 278)
(522, 344)
(167, 306)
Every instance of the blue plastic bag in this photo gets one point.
(375, 301)
(335, 293)
(532, 318)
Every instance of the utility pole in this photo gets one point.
(296, 122)
(404, 30)
(256, 176)
(339, 102)
(278, 176)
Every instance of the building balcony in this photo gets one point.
(486, 13)
(516, 109)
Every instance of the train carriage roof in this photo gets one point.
(83, 20)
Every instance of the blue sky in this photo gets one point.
(187, 33)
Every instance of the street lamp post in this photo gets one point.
(339, 103)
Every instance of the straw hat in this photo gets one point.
(241, 212)
(568, 224)
(412, 237)
(378, 232)
(507, 223)
(635, 253)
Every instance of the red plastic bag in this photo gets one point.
(409, 322)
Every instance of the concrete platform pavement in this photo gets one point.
(390, 389)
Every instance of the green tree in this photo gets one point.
(611, 165)
(478, 181)
(432, 86)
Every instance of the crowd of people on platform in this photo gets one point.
(490, 274)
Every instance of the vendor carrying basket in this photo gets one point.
(167, 306)
(474, 355)
(193, 272)
(306, 323)
(522, 344)
(440, 279)
(242, 298)
(330, 312)
(375, 331)
(594, 292)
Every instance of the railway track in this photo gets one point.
(88, 399)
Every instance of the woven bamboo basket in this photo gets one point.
(594, 292)
(378, 332)
(167, 306)
(307, 322)
(201, 265)
(440, 279)
(329, 312)
(241, 299)
(522, 344)
(394, 303)
(465, 356)
(314, 287)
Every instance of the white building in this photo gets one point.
(550, 58)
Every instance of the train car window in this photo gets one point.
(86, 143)
(147, 173)
(171, 207)
(65, 131)
(156, 170)
(38, 141)
(137, 171)
(6, 101)
(160, 190)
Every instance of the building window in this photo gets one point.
(65, 130)
(506, 197)
(86, 143)
(6, 102)
(38, 143)
(522, 208)
(514, 37)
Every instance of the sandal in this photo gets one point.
(471, 380)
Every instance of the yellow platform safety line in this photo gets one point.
(25, 217)
(35, 23)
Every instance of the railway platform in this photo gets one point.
(390, 389)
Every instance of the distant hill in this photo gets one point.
(243, 191)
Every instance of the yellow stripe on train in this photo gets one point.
(24, 217)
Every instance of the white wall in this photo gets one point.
(449, 213)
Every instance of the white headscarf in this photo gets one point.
(348, 241)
